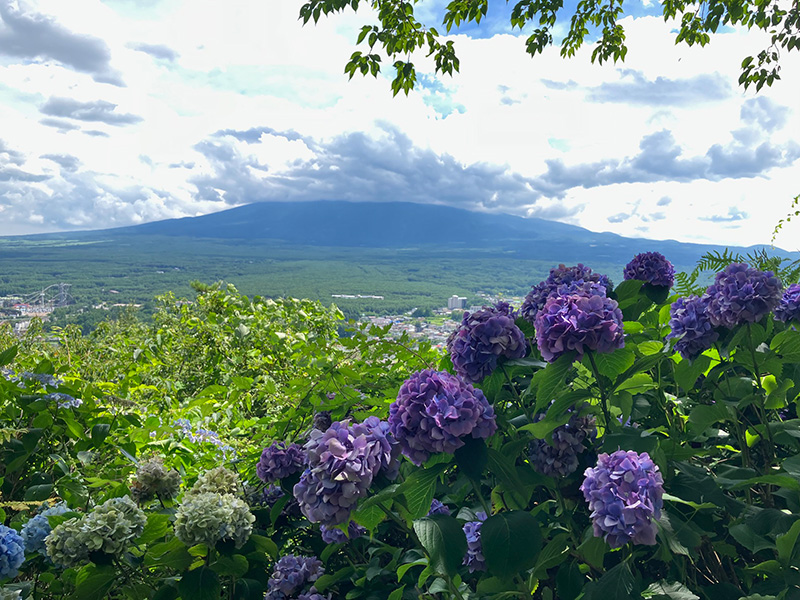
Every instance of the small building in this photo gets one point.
(454, 302)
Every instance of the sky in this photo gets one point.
(119, 112)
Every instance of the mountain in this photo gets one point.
(333, 223)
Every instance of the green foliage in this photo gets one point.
(399, 32)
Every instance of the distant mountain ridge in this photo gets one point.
(335, 223)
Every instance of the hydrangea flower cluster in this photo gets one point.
(334, 535)
(789, 307)
(279, 461)
(109, 528)
(483, 337)
(438, 508)
(44, 379)
(742, 294)
(560, 458)
(434, 410)
(563, 281)
(578, 323)
(342, 463)
(272, 493)
(474, 559)
(12, 552)
(652, 268)
(201, 436)
(291, 574)
(153, 480)
(208, 517)
(218, 480)
(691, 326)
(624, 492)
(38, 528)
(64, 400)
(322, 419)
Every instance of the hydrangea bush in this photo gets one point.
(644, 445)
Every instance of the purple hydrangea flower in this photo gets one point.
(563, 281)
(322, 419)
(560, 458)
(624, 492)
(742, 294)
(279, 461)
(290, 575)
(578, 323)
(474, 558)
(312, 595)
(334, 535)
(483, 337)
(342, 463)
(789, 307)
(652, 268)
(438, 508)
(271, 494)
(434, 410)
(691, 326)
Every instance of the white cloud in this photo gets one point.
(193, 68)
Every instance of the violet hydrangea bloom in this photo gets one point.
(563, 281)
(334, 535)
(742, 294)
(624, 492)
(789, 307)
(560, 458)
(342, 463)
(438, 508)
(578, 323)
(652, 268)
(691, 326)
(279, 461)
(434, 410)
(483, 337)
(474, 559)
(291, 574)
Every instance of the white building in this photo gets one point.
(454, 302)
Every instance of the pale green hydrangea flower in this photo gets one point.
(154, 480)
(219, 481)
(208, 517)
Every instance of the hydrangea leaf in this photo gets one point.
(472, 457)
(550, 380)
(616, 583)
(93, 582)
(200, 584)
(443, 540)
(511, 542)
(420, 488)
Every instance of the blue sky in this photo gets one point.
(119, 112)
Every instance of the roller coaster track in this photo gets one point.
(53, 296)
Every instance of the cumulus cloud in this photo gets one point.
(65, 161)
(636, 88)
(97, 111)
(27, 34)
(764, 112)
(159, 51)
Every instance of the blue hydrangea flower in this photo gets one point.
(650, 267)
(438, 508)
(624, 492)
(279, 460)
(483, 337)
(291, 574)
(434, 410)
(334, 535)
(741, 294)
(563, 281)
(342, 462)
(560, 458)
(474, 559)
(12, 552)
(578, 323)
(64, 400)
(789, 307)
(691, 326)
(34, 531)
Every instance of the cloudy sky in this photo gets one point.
(118, 112)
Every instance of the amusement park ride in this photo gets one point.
(36, 303)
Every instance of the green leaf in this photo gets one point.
(397, 594)
(7, 355)
(671, 591)
(200, 584)
(786, 543)
(505, 471)
(248, 589)
(511, 542)
(370, 517)
(614, 363)
(616, 583)
(472, 457)
(403, 569)
(419, 489)
(553, 554)
(39, 492)
(706, 414)
(156, 527)
(93, 582)
(100, 433)
(593, 551)
(444, 541)
(264, 545)
(687, 372)
(172, 554)
(232, 566)
(549, 381)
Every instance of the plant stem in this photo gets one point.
(517, 397)
(603, 398)
(761, 398)
(476, 486)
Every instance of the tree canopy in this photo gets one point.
(399, 32)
